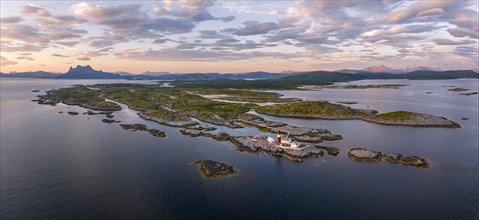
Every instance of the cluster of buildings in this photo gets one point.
(287, 142)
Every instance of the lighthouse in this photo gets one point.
(278, 139)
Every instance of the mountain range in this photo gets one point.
(374, 72)
(386, 69)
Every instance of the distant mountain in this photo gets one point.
(37, 74)
(417, 68)
(386, 69)
(379, 69)
(87, 72)
(207, 76)
(124, 73)
(149, 73)
(348, 71)
(450, 74)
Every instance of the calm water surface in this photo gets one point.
(76, 167)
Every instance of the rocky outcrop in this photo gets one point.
(470, 93)
(212, 169)
(72, 113)
(331, 150)
(254, 145)
(417, 120)
(181, 123)
(141, 127)
(157, 133)
(191, 132)
(364, 155)
(108, 121)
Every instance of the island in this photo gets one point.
(380, 86)
(141, 127)
(331, 111)
(469, 93)
(212, 169)
(458, 89)
(183, 107)
(364, 155)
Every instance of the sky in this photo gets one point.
(181, 36)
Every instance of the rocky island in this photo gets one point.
(331, 111)
(255, 145)
(212, 169)
(364, 155)
(141, 127)
(177, 107)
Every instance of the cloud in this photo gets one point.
(249, 28)
(430, 12)
(467, 51)
(24, 58)
(59, 55)
(83, 58)
(10, 20)
(173, 54)
(206, 16)
(5, 62)
(442, 41)
(129, 21)
(8, 46)
(187, 8)
(463, 32)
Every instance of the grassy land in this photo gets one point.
(82, 94)
(176, 104)
(309, 108)
(395, 116)
(243, 95)
(154, 99)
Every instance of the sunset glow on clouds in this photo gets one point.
(238, 36)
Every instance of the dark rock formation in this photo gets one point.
(134, 127)
(348, 103)
(254, 145)
(157, 133)
(108, 121)
(35, 90)
(73, 113)
(331, 150)
(470, 93)
(364, 155)
(212, 169)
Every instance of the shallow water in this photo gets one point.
(76, 167)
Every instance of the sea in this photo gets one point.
(59, 166)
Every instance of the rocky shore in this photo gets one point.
(212, 169)
(51, 99)
(416, 120)
(364, 155)
(331, 150)
(180, 123)
(301, 134)
(141, 127)
(250, 145)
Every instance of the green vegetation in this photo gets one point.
(154, 99)
(395, 116)
(457, 89)
(309, 108)
(82, 95)
(242, 95)
(178, 104)
(167, 115)
(248, 116)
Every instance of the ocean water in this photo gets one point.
(61, 166)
